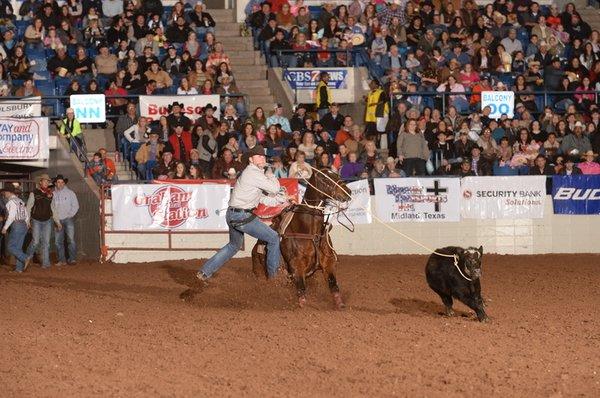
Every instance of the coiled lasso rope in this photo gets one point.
(430, 250)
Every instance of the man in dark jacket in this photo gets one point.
(259, 20)
(178, 33)
(333, 120)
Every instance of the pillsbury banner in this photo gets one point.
(307, 79)
(417, 199)
(576, 194)
(503, 197)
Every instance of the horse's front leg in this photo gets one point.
(300, 280)
(259, 260)
(329, 271)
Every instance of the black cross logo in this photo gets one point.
(436, 190)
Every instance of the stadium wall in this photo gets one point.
(551, 234)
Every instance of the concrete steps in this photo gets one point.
(249, 67)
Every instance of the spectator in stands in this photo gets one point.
(588, 165)
(137, 134)
(34, 35)
(181, 143)
(39, 206)
(299, 168)
(576, 143)
(148, 154)
(333, 120)
(180, 172)
(278, 118)
(165, 166)
(412, 149)
(570, 168)
(61, 65)
(226, 166)
(353, 169)
(541, 167)
(227, 88)
(161, 79)
(465, 169)
(377, 107)
(28, 89)
(176, 116)
(64, 207)
(323, 96)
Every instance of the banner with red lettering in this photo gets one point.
(24, 139)
(198, 207)
(155, 106)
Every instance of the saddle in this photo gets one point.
(266, 214)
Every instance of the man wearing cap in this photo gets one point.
(576, 144)
(278, 118)
(323, 97)
(247, 193)
(297, 120)
(64, 207)
(16, 225)
(71, 129)
(39, 206)
(148, 154)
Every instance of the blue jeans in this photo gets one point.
(254, 228)
(40, 239)
(68, 229)
(16, 237)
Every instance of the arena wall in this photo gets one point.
(551, 234)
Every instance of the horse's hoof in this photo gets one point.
(301, 301)
(339, 304)
(449, 312)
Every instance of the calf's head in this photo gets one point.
(471, 258)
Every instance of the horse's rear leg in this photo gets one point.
(259, 260)
(329, 274)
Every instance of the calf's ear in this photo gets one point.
(480, 251)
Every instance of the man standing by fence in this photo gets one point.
(17, 221)
(323, 97)
(64, 206)
(71, 128)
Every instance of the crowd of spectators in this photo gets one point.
(430, 61)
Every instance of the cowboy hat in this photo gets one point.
(43, 177)
(578, 124)
(357, 39)
(174, 104)
(256, 150)
(11, 187)
(497, 15)
(60, 177)
(210, 106)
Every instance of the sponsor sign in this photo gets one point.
(89, 108)
(155, 106)
(359, 208)
(579, 194)
(503, 197)
(307, 79)
(24, 139)
(170, 206)
(417, 199)
(24, 107)
(500, 102)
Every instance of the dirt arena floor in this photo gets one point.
(123, 330)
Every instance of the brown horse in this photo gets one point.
(306, 245)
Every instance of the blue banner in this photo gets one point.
(576, 194)
(307, 79)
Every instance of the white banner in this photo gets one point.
(154, 106)
(417, 199)
(170, 206)
(500, 103)
(24, 139)
(358, 206)
(24, 107)
(89, 108)
(503, 197)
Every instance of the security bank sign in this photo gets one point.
(500, 103)
(89, 108)
(308, 79)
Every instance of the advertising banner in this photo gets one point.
(500, 102)
(503, 197)
(24, 139)
(89, 108)
(155, 106)
(170, 206)
(417, 199)
(358, 210)
(24, 107)
(576, 194)
(307, 79)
